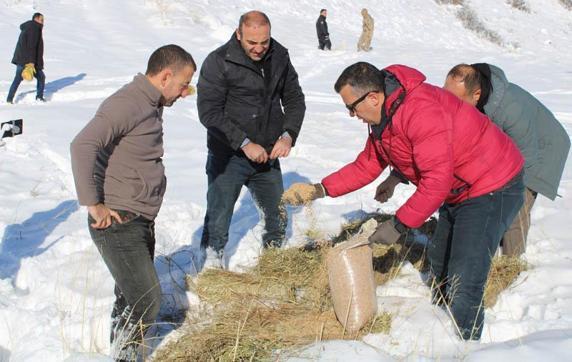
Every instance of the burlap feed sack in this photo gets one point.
(352, 283)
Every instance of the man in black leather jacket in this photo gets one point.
(251, 103)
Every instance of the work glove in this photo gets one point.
(388, 232)
(385, 189)
(302, 193)
(28, 72)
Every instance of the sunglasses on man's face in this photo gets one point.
(352, 107)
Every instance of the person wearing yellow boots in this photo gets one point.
(29, 57)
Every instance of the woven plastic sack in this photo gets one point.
(352, 283)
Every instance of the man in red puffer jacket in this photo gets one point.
(461, 163)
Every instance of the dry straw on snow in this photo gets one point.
(504, 271)
(283, 304)
(566, 3)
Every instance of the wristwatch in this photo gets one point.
(401, 228)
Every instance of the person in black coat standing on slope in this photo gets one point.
(322, 30)
(29, 53)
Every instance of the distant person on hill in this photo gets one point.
(324, 42)
(364, 42)
(251, 103)
(119, 175)
(461, 164)
(542, 140)
(29, 57)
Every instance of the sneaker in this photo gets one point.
(40, 99)
(214, 259)
(273, 244)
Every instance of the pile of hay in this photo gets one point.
(280, 305)
(283, 304)
(504, 271)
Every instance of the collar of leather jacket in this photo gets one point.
(235, 53)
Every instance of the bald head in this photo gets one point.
(253, 19)
(253, 33)
(465, 82)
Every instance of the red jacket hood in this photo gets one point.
(408, 77)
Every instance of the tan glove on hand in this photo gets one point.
(28, 72)
(388, 232)
(302, 193)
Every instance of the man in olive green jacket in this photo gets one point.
(541, 139)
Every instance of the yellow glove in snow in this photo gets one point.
(28, 72)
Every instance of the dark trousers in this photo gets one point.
(40, 83)
(324, 44)
(461, 250)
(127, 250)
(226, 176)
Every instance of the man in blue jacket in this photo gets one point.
(29, 53)
(541, 139)
(251, 103)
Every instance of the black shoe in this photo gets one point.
(41, 99)
(9, 101)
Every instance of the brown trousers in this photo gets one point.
(514, 239)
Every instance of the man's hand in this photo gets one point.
(301, 194)
(103, 216)
(281, 148)
(385, 189)
(255, 152)
(388, 232)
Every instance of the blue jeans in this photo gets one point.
(128, 250)
(226, 176)
(40, 83)
(461, 250)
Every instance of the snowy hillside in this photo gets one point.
(55, 291)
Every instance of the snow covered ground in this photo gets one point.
(55, 292)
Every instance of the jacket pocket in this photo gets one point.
(154, 183)
(122, 182)
(465, 185)
(146, 184)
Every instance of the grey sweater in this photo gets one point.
(116, 157)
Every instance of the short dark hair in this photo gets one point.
(169, 56)
(362, 77)
(468, 75)
(36, 15)
(321, 11)
(253, 17)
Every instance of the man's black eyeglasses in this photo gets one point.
(352, 107)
